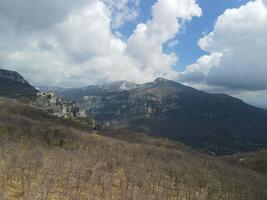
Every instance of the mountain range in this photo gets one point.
(214, 123)
(50, 149)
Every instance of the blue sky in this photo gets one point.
(187, 48)
(78, 45)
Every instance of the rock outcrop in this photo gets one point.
(58, 106)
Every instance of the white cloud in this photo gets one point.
(173, 43)
(146, 43)
(75, 46)
(240, 36)
(256, 98)
(198, 71)
(37, 14)
(122, 11)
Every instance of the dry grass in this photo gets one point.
(45, 158)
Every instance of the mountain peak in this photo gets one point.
(164, 81)
(119, 85)
(160, 79)
(172, 85)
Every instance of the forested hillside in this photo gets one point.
(45, 157)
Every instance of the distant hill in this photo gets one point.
(12, 84)
(215, 123)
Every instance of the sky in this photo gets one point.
(214, 45)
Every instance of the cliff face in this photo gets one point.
(58, 107)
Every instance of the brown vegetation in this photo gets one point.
(45, 158)
(256, 161)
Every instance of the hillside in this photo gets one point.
(45, 157)
(256, 161)
(214, 123)
(13, 84)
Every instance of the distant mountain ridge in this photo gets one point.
(114, 86)
(12, 75)
(12, 84)
(215, 123)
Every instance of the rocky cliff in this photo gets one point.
(58, 107)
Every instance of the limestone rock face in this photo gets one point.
(58, 107)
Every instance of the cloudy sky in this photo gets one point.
(218, 46)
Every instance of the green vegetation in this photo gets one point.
(46, 158)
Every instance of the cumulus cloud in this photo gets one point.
(37, 14)
(145, 45)
(237, 48)
(71, 43)
(198, 71)
(122, 11)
